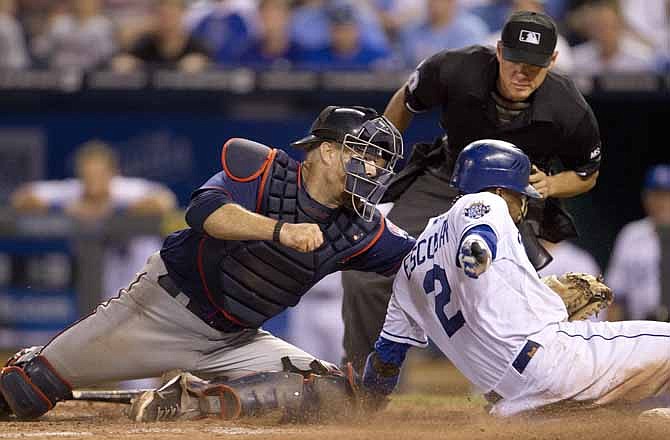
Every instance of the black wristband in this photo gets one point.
(277, 230)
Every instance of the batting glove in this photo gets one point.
(379, 379)
(474, 256)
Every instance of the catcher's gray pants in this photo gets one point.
(366, 294)
(145, 332)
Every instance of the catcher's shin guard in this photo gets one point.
(30, 385)
(300, 395)
(263, 392)
(328, 392)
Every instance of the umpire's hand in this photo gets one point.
(541, 182)
(303, 237)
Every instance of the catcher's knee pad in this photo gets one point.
(30, 385)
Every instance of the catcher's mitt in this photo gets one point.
(582, 293)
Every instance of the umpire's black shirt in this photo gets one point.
(557, 124)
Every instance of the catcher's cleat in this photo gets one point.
(185, 397)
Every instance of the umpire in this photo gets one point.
(506, 93)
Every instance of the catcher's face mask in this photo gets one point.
(372, 156)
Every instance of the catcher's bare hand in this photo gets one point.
(303, 237)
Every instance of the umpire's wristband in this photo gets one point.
(277, 230)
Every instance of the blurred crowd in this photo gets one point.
(597, 36)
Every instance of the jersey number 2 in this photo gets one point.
(438, 275)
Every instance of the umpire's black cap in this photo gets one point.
(529, 37)
(334, 123)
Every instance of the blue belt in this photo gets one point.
(525, 355)
(520, 363)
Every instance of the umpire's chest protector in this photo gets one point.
(256, 280)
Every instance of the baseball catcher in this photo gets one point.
(584, 295)
(262, 231)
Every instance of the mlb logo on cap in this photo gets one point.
(531, 37)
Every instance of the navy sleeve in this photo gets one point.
(216, 192)
(585, 152)
(386, 254)
(203, 205)
(425, 87)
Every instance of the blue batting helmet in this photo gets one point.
(491, 163)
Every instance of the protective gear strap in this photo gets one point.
(315, 367)
(33, 388)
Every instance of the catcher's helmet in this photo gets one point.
(374, 143)
(334, 122)
(491, 163)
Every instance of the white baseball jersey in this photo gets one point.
(633, 272)
(480, 324)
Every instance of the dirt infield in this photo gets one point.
(436, 404)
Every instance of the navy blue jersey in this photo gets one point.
(239, 277)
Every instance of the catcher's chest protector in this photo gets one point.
(256, 280)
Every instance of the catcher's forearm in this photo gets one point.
(233, 222)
